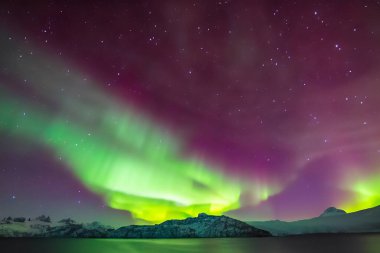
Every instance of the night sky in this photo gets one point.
(145, 111)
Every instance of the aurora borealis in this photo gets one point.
(146, 111)
(127, 160)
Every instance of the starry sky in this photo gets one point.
(143, 111)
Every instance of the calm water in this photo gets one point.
(320, 244)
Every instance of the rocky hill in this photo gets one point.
(202, 226)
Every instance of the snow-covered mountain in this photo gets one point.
(202, 226)
(332, 220)
(42, 226)
(332, 211)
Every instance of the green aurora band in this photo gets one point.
(129, 160)
(364, 189)
(137, 171)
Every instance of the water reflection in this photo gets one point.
(313, 244)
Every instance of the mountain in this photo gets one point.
(332, 211)
(332, 220)
(91, 230)
(22, 227)
(202, 226)
(43, 227)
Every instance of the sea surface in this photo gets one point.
(311, 243)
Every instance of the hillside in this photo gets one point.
(330, 221)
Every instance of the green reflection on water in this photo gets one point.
(369, 243)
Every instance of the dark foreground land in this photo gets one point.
(334, 243)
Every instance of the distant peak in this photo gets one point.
(332, 211)
(202, 215)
